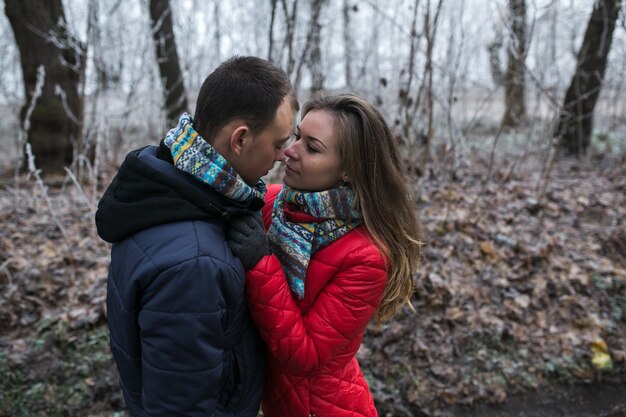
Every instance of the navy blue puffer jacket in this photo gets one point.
(180, 331)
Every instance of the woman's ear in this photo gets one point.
(238, 139)
(345, 178)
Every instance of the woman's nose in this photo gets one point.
(291, 151)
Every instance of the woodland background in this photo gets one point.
(512, 119)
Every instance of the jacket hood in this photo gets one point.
(149, 190)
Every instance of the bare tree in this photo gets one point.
(495, 64)
(270, 47)
(418, 137)
(167, 58)
(514, 84)
(217, 31)
(573, 132)
(406, 101)
(43, 40)
(290, 21)
(347, 40)
(315, 54)
(430, 31)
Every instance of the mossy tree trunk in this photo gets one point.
(167, 58)
(42, 39)
(574, 129)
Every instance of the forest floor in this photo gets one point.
(520, 305)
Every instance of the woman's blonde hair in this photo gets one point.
(371, 159)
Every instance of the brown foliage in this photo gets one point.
(512, 295)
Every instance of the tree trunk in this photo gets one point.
(514, 84)
(290, 21)
(43, 40)
(430, 29)
(495, 65)
(573, 132)
(406, 102)
(271, 32)
(315, 57)
(167, 58)
(217, 31)
(347, 40)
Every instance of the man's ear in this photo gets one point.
(239, 139)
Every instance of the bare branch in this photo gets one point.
(58, 91)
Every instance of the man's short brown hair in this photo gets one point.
(243, 87)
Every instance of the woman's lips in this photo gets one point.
(289, 169)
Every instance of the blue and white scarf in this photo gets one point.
(295, 243)
(192, 154)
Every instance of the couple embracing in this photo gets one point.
(224, 292)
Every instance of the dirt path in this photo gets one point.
(597, 400)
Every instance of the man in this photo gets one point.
(180, 332)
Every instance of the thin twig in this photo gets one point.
(542, 184)
(22, 135)
(58, 91)
(492, 158)
(44, 192)
(80, 189)
(4, 267)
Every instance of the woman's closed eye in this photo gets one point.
(309, 147)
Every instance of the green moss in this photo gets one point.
(64, 372)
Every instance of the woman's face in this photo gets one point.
(313, 162)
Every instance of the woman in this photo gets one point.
(344, 243)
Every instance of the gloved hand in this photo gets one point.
(247, 239)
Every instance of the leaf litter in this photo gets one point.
(515, 292)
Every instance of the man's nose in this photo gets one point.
(280, 156)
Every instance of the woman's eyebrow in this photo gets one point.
(317, 140)
(313, 138)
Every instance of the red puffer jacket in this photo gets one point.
(312, 343)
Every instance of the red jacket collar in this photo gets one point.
(295, 215)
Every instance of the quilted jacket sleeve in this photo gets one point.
(307, 342)
(182, 339)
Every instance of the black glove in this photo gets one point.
(247, 239)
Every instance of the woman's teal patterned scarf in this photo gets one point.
(294, 243)
(192, 154)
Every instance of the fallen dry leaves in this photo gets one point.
(42, 273)
(515, 291)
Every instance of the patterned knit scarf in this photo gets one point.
(294, 243)
(192, 154)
